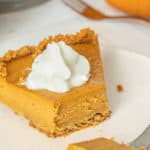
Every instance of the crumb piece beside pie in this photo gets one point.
(56, 114)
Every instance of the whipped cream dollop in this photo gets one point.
(58, 68)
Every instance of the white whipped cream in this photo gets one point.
(58, 68)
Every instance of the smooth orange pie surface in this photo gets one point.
(100, 144)
(56, 114)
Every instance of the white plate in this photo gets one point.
(130, 109)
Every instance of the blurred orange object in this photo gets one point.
(136, 7)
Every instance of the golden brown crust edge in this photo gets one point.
(93, 121)
(84, 36)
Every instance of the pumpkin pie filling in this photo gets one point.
(54, 113)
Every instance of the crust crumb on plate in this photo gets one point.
(120, 88)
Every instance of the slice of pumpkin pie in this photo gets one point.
(101, 144)
(58, 85)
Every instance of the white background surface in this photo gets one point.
(118, 40)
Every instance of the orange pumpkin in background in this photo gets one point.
(135, 7)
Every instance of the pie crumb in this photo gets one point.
(120, 88)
